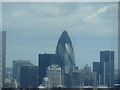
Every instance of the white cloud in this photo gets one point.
(94, 15)
(102, 10)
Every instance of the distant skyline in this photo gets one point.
(34, 28)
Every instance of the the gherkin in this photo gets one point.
(65, 50)
(64, 56)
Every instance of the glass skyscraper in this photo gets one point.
(105, 68)
(64, 56)
(65, 50)
(45, 60)
(107, 60)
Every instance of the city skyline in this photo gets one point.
(31, 27)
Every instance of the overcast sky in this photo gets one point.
(34, 28)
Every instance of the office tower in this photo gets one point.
(45, 60)
(16, 68)
(107, 60)
(2, 57)
(53, 77)
(29, 76)
(97, 67)
(65, 50)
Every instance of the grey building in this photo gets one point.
(53, 77)
(97, 68)
(2, 57)
(89, 76)
(16, 68)
(54, 73)
(29, 76)
(72, 78)
(78, 78)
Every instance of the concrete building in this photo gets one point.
(53, 77)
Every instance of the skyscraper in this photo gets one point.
(107, 60)
(65, 50)
(46, 60)
(64, 56)
(2, 57)
(105, 68)
(29, 76)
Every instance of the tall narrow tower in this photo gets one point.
(2, 57)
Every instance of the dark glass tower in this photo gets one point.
(97, 68)
(45, 60)
(65, 50)
(107, 60)
(105, 68)
(29, 76)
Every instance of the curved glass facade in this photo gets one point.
(65, 50)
